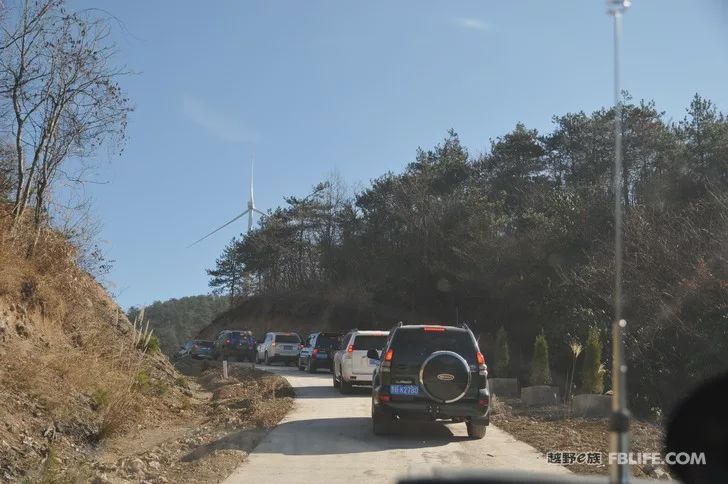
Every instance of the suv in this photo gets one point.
(352, 366)
(430, 372)
(318, 351)
(234, 344)
(282, 347)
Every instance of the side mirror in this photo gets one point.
(373, 354)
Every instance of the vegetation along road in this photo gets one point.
(332, 434)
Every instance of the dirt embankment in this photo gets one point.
(226, 418)
(83, 400)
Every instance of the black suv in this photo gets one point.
(238, 345)
(430, 372)
(318, 351)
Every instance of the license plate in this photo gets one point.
(404, 389)
(321, 355)
(373, 362)
(287, 347)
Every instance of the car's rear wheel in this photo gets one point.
(476, 430)
(300, 366)
(266, 359)
(310, 367)
(381, 422)
(335, 382)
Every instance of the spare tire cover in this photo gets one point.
(445, 376)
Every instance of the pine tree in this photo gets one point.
(592, 378)
(227, 278)
(540, 372)
(502, 354)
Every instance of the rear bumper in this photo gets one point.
(327, 362)
(356, 378)
(434, 411)
(287, 358)
(424, 409)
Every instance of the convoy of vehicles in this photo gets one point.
(425, 372)
(352, 365)
(279, 347)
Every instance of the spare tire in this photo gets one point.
(445, 376)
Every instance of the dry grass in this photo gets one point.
(69, 358)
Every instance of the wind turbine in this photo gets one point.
(249, 212)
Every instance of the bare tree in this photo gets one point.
(58, 81)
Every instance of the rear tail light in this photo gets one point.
(389, 355)
(434, 329)
(482, 368)
(300, 346)
(483, 402)
(350, 349)
(227, 341)
(315, 351)
(273, 343)
(384, 398)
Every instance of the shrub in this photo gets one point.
(141, 380)
(540, 372)
(592, 370)
(99, 399)
(153, 345)
(502, 354)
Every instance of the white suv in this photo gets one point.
(283, 347)
(351, 364)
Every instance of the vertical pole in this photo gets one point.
(619, 424)
(224, 369)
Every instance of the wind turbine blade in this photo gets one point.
(259, 212)
(252, 199)
(219, 228)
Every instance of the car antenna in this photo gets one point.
(619, 471)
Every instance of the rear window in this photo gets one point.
(236, 335)
(416, 344)
(287, 338)
(369, 342)
(328, 340)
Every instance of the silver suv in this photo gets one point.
(283, 347)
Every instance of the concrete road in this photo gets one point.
(327, 437)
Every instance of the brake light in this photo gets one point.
(388, 356)
(384, 398)
(273, 343)
(227, 341)
(483, 402)
(434, 329)
(315, 351)
(350, 349)
(480, 358)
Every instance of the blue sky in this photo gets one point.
(353, 87)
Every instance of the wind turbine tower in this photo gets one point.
(251, 210)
